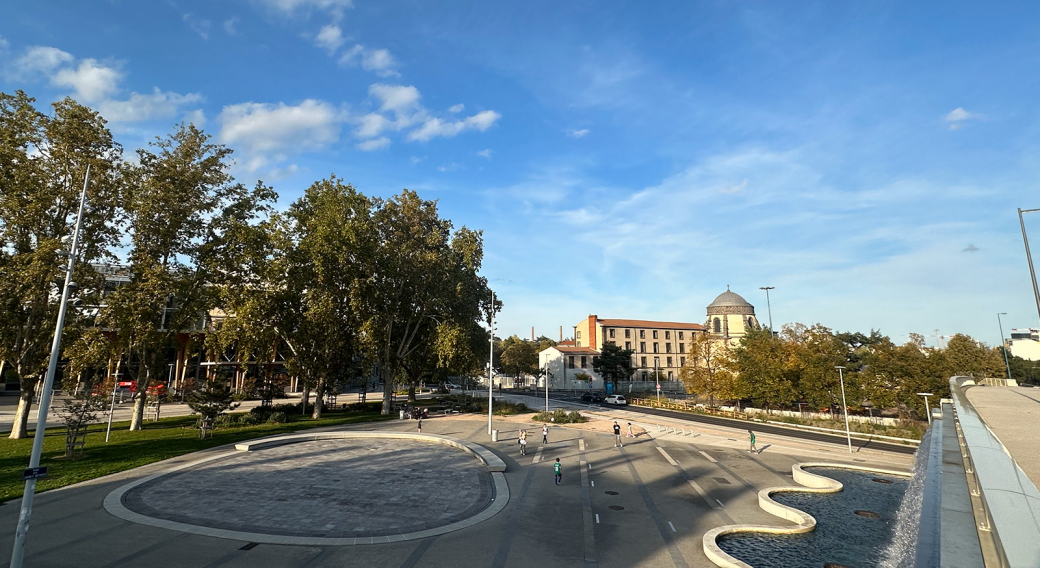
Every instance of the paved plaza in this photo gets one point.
(646, 504)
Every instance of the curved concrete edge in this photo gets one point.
(804, 522)
(489, 459)
(114, 500)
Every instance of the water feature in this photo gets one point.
(902, 548)
(842, 537)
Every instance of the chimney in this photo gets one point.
(532, 333)
(561, 333)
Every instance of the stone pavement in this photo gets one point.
(1012, 414)
(647, 504)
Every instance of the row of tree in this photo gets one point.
(339, 281)
(799, 366)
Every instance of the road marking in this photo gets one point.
(720, 503)
(711, 459)
(597, 518)
(593, 483)
(666, 456)
(704, 494)
(581, 444)
(537, 456)
(671, 525)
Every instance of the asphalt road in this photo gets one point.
(756, 426)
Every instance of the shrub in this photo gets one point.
(560, 416)
(227, 420)
(250, 419)
(278, 418)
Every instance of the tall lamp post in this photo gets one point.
(34, 471)
(491, 361)
(1029, 258)
(657, 380)
(844, 407)
(1003, 346)
(769, 308)
(926, 409)
(548, 375)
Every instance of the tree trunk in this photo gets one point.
(137, 418)
(20, 428)
(319, 399)
(388, 392)
(306, 396)
(411, 391)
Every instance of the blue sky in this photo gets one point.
(623, 159)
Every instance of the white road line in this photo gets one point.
(537, 456)
(593, 483)
(581, 444)
(711, 459)
(720, 503)
(597, 518)
(704, 494)
(666, 456)
(671, 525)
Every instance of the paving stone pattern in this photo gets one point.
(330, 488)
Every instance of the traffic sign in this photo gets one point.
(34, 473)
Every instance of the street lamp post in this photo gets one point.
(34, 471)
(926, 409)
(1029, 258)
(657, 380)
(491, 361)
(844, 407)
(1003, 346)
(769, 308)
(548, 374)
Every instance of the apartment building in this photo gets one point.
(661, 345)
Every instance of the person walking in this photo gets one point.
(420, 425)
(751, 436)
(629, 435)
(617, 435)
(545, 433)
(523, 442)
(557, 469)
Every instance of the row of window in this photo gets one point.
(657, 348)
(668, 361)
(584, 360)
(642, 334)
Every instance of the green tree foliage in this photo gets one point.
(43, 162)
(519, 357)
(614, 364)
(709, 368)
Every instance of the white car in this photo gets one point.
(616, 399)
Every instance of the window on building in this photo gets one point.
(583, 362)
(577, 335)
(680, 335)
(667, 335)
(669, 362)
(642, 362)
(628, 333)
(655, 348)
(682, 361)
(667, 347)
(642, 347)
(610, 333)
(570, 361)
(682, 348)
(644, 375)
(655, 334)
(718, 325)
(628, 346)
(671, 376)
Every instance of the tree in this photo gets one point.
(209, 402)
(43, 161)
(614, 364)
(519, 357)
(763, 373)
(709, 368)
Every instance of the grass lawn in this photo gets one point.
(167, 438)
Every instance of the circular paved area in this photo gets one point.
(332, 488)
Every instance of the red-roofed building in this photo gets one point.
(666, 341)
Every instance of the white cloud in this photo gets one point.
(374, 144)
(434, 127)
(417, 159)
(145, 107)
(457, 108)
(576, 133)
(379, 61)
(91, 81)
(229, 26)
(396, 98)
(262, 128)
(485, 153)
(330, 38)
(198, 26)
(957, 116)
(196, 117)
(3, 44)
(304, 8)
(41, 59)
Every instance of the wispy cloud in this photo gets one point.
(268, 133)
(576, 133)
(958, 116)
(304, 8)
(374, 144)
(231, 26)
(485, 153)
(197, 25)
(329, 38)
(378, 61)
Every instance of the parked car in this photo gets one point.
(592, 397)
(615, 399)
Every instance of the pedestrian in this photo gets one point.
(629, 435)
(751, 436)
(617, 435)
(523, 443)
(420, 425)
(545, 433)
(557, 469)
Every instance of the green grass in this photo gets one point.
(167, 438)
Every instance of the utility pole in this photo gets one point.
(1003, 346)
(491, 361)
(844, 407)
(1029, 258)
(34, 471)
(769, 307)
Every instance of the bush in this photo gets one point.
(278, 418)
(250, 419)
(227, 420)
(560, 416)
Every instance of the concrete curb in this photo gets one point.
(114, 500)
(811, 483)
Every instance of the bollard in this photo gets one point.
(494, 435)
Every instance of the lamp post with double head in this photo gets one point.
(1003, 346)
(844, 407)
(769, 308)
